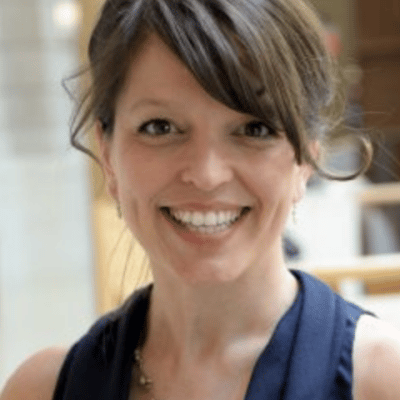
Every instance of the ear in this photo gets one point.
(105, 155)
(305, 172)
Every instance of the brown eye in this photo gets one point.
(258, 130)
(157, 127)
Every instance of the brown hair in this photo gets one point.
(266, 58)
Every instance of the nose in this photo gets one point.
(206, 166)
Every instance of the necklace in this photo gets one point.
(143, 380)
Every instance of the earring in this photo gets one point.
(294, 214)
(119, 212)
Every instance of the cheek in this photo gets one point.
(142, 175)
(273, 178)
(274, 185)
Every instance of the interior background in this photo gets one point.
(52, 257)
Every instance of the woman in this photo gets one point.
(209, 118)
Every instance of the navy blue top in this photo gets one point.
(309, 356)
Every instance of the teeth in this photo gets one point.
(198, 219)
(222, 216)
(210, 219)
(186, 216)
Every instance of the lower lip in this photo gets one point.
(199, 238)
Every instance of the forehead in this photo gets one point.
(156, 73)
(155, 62)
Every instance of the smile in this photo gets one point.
(205, 222)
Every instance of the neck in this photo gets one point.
(199, 322)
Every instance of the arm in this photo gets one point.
(376, 360)
(36, 378)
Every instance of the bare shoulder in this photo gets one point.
(36, 378)
(376, 360)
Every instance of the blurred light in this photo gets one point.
(67, 15)
(353, 73)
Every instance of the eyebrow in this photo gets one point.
(149, 102)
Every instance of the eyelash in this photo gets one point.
(157, 122)
(242, 131)
(270, 132)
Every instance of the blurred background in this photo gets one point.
(59, 267)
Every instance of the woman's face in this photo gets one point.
(205, 189)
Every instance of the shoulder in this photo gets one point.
(376, 360)
(36, 378)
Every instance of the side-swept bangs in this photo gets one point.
(266, 58)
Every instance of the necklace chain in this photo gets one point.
(143, 380)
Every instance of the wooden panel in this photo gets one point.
(377, 272)
(369, 274)
(378, 18)
(379, 55)
(380, 194)
(121, 264)
(91, 10)
(378, 47)
(385, 286)
(381, 91)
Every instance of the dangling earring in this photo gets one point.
(119, 212)
(294, 214)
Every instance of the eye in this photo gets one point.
(158, 127)
(257, 130)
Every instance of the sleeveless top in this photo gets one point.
(309, 356)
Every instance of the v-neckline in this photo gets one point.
(274, 361)
(272, 364)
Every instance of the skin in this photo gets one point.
(217, 297)
(36, 378)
